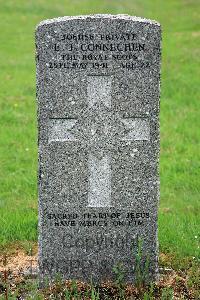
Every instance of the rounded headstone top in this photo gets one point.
(97, 16)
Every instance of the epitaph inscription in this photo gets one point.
(98, 98)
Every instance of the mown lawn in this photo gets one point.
(179, 217)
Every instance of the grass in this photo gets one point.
(179, 220)
(19, 285)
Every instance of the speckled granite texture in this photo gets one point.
(98, 86)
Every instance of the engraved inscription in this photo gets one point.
(98, 51)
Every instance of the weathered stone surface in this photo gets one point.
(98, 112)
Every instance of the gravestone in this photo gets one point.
(98, 113)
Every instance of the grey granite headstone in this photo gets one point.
(98, 112)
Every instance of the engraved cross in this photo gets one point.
(99, 129)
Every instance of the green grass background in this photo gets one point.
(179, 215)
